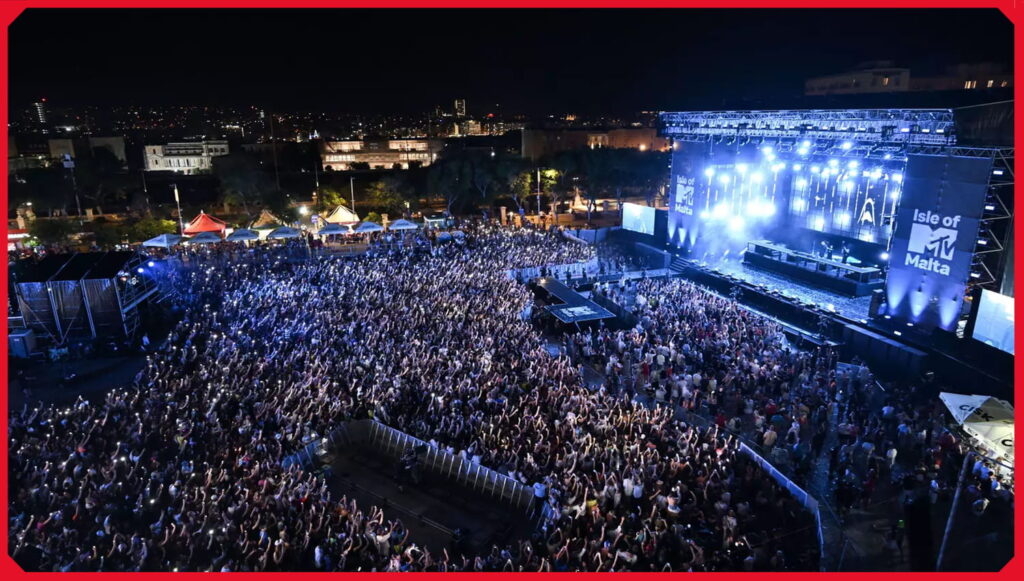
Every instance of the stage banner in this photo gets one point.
(686, 197)
(935, 235)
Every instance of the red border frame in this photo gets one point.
(10, 9)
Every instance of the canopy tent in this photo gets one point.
(333, 229)
(987, 419)
(403, 224)
(204, 238)
(163, 241)
(284, 232)
(243, 235)
(444, 237)
(204, 223)
(458, 234)
(266, 221)
(365, 227)
(342, 215)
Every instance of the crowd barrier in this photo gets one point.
(393, 443)
(808, 501)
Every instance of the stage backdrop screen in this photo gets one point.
(994, 324)
(638, 218)
(936, 230)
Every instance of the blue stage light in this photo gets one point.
(736, 223)
(757, 177)
(799, 205)
(709, 172)
(833, 162)
(847, 145)
(724, 179)
(815, 169)
(806, 143)
(803, 151)
(897, 177)
(141, 270)
(704, 215)
(741, 168)
(884, 256)
(877, 174)
(797, 167)
(843, 219)
(887, 156)
(767, 150)
(151, 264)
(801, 183)
(853, 164)
(819, 223)
(721, 210)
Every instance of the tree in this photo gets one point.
(329, 197)
(242, 181)
(150, 227)
(374, 217)
(51, 231)
(446, 179)
(389, 194)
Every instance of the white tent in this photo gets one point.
(243, 235)
(987, 419)
(163, 241)
(342, 215)
(403, 224)
(333, 229)
(284, 232)
(204, 238)
(365, 227)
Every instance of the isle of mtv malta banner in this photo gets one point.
(935, 236)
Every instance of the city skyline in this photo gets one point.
(528, 61)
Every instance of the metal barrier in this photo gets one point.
(393, 443)
(808, 501)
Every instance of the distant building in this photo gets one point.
(873, 77)
(966, 77)
(61, 147)
(882, 77)
(379, 153)
(538, 143)
(186, 157)
(468, 127)
(113, 144)
(460, 108)
(40, 111)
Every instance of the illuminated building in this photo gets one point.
(379, 153)
(185, 157)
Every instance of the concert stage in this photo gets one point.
(822, 272)
(572, 307)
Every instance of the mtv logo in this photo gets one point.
(938, 241)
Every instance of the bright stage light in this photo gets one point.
(847, 145)
(741, 168)
(736, 223)
(802, 151)
(894, 193)
(709, 172)
(757, 177)
(819, 223)
(833, 163)
(151, 264)
(815, 169)
(704, 215)
(721, 210)
(801, 184)
(140, 270)
(843, 219)
(799, 204)
(897, 177)
(847, 185)
(887, 156)
(877, 174)
(806, 143)
(724, 179)
(778, 167)
(853, 164)
(797, 167)
(767, 149)
(884, 256)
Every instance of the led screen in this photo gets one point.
(638, 218)
(994, 325)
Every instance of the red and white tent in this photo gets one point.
(205, 223)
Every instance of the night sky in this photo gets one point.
(532, 61)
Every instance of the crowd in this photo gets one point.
(182, 470)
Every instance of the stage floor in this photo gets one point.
(852, 307)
